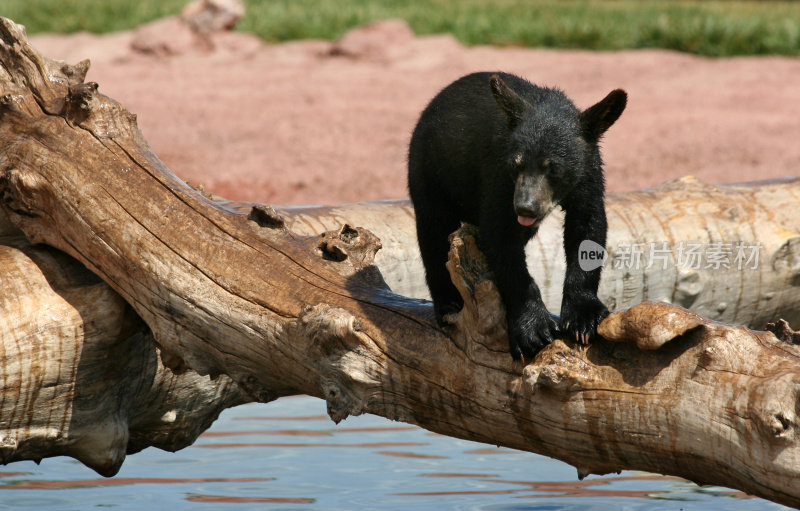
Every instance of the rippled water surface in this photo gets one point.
(289, 455)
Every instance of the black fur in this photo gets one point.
(496, 151)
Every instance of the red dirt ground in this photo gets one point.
(315, 122)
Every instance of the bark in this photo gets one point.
(81, 376)
(746, 237)
(241, 292)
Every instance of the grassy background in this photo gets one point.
(712, 27)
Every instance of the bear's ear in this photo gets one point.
(512, 104)
(596, 119)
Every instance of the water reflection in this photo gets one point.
(411, 455)
(219, 499)
(586, 488)
(289, 455)
(120, 481)
(373, 445)
(306, 432)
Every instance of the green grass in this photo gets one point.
(713, 27)
(98, 16)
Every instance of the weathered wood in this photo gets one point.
(246, 296)
(80, 374)
(661, 226)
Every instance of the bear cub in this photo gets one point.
(498, 152)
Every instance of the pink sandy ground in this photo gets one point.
(314, 122)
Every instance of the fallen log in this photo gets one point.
(239, 292)
(81, 376)
(727, 252)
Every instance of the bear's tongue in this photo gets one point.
(526, 220)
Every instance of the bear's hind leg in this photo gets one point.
(435, 223)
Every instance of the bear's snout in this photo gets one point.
(533, 198)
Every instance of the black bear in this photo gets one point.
(498, 152)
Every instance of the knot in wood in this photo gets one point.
(257, 390)
(784, 332)
(786, 261)
(774, 405)
(10, 102)
(78, 104)
(102, 116)
(76, 73)
(782, 424)
(556, 378)
(559, 368)
(355, 244)
(340, 404)
(649, 324)
(266, 216)
(20, 193)
(349, 363)
(334, 332)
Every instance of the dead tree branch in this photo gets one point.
(246, 296)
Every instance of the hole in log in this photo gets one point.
(334, 245)
(348, 234)
(332, 251)
(266, 216)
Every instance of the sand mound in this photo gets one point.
(320, 122)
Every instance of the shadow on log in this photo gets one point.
(243, 297)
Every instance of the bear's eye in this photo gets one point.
(551, 167)
(518, 160)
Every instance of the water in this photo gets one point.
(289, 455)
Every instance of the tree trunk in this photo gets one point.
(242, 293)
(730, 253)
(80, 374)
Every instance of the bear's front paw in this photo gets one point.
(531, 331)
(580, 317)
